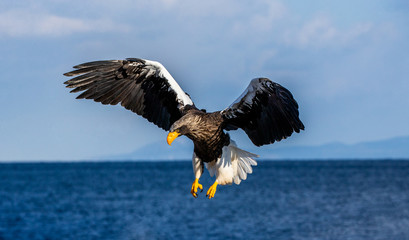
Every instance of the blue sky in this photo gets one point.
(346, 63)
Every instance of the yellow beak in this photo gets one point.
(172, 136)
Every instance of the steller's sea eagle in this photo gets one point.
(266, 111)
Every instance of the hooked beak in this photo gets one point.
(172, 136)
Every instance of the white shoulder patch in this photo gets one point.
(248, 95)
(162, 72)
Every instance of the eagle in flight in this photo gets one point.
(266, 111)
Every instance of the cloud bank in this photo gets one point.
(23, 23)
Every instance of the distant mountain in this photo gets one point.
(395, 148)
(180, 150)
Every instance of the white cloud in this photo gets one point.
(169, 3)
(275, 10)
(17, 23)
(274, 21)
(320, 31)
(267, 15)
(357, 31)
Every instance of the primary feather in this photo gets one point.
(142, 86)
(266, 111)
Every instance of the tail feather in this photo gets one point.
(242, 162)
(233, 165)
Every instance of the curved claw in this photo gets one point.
(212, 190)
(195, 186)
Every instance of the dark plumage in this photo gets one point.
(206, 132)
(131, 82)
(266, 111)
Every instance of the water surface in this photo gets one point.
(151, 200)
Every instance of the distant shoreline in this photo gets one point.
(188, 160)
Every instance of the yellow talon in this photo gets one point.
(195, 186)
(212, 190)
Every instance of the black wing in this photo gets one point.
(142, 86)
(266, 111)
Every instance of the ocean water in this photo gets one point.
(331, 200)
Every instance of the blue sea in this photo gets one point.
(343, 200)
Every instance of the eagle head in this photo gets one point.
(179, 128)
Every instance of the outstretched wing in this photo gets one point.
(142, 86)
(266, 111)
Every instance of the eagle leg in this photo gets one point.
(212, 190)
(195, 186)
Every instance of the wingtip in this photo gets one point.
(302, 127)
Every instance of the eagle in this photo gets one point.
(266, 111)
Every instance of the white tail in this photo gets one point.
(241, 162)
(233, 166)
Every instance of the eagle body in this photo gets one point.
(206, 132)
(266, 111)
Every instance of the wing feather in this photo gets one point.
(142, 86)
(266, 111)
